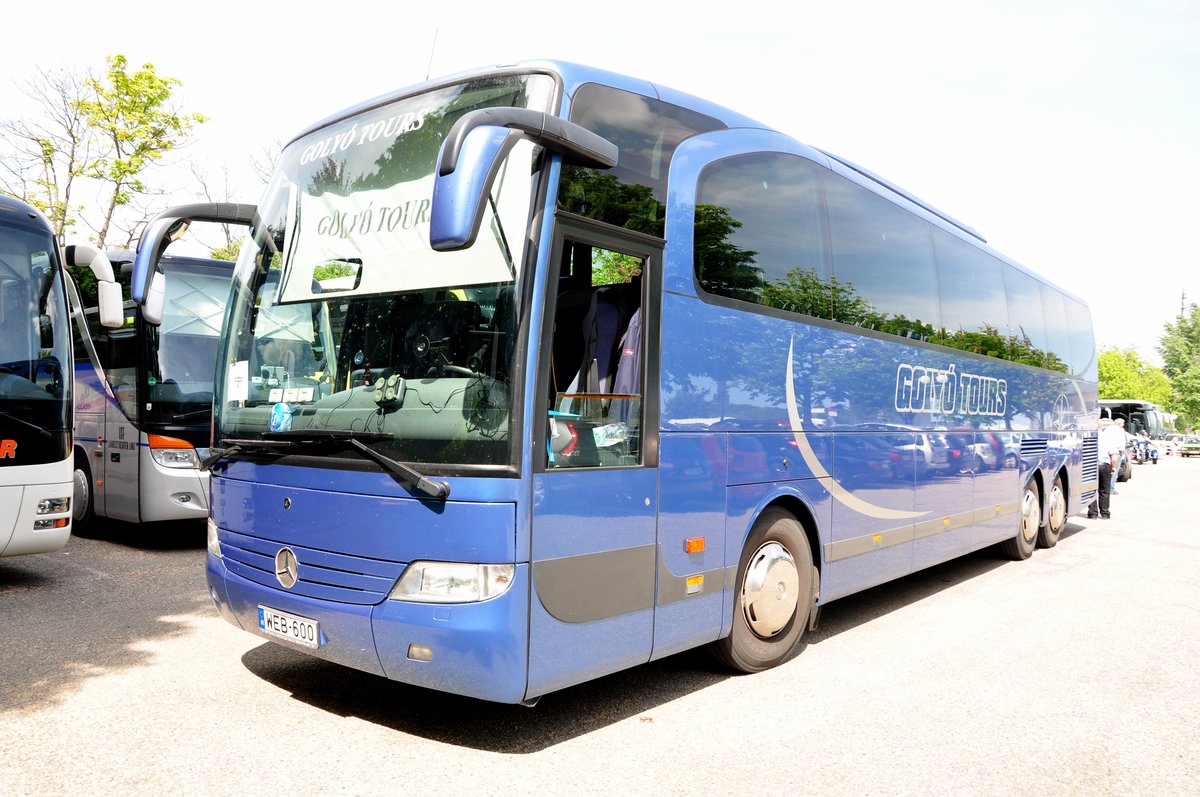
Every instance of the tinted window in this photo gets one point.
(759, 233)
(633, 193)
(882, 263)
(1027, 322)
(974, 307)
(1058, 336)
(1083, 346)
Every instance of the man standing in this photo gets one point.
(1109, 446)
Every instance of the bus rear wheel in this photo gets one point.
(82, 515)
(1057, 516)
(1021, 546)
(773, 595)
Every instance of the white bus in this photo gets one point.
(35, 378)
(143, 400)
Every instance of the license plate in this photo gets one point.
(300, 630)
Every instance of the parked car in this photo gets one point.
(1190, 446)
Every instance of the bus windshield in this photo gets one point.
(34, 348)
(342, 319)
(180, 373)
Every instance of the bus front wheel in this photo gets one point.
(82, 516)
(773, 595)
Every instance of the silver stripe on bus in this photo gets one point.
(595, 586)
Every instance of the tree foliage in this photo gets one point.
(110, 129)
(1179, 348)
(1124, 374)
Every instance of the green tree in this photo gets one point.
(47, 155)
(134, 114)
(1180, 350)
(1124, 374)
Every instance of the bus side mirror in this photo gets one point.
(148, 284)
(471, 155)
(108, 292)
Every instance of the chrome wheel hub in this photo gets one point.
(769, 591)
(1030, 519)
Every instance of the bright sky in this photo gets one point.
(1066, 131)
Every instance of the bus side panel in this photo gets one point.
(121, 439)
(591, 610)
(90, 401)
(689, 601)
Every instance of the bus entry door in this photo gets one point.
(593, 544)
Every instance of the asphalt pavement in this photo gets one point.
(1073, 673)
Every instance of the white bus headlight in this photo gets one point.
(452, 582)
(171, 452)
(52, 506)
(214, 545)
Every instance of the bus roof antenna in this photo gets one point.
(432, 50)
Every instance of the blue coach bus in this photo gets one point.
(600, 372)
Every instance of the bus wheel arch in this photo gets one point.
(82, 500)
(1056, 512)
(773, 594)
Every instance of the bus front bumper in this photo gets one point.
(473, 649)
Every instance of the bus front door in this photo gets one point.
(593, 535)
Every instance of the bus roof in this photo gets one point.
(573, 76)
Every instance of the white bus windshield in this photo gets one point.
(343, 319)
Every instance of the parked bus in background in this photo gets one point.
(143, 402)
(35, 378)
(616, 373)
(1140, 416)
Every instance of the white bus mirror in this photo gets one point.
(108, 291)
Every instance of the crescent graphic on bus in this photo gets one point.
(839, 493)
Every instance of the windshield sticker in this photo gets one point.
(239, 381)
(390, 128)
(387, 231)
(281, 417)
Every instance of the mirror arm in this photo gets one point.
(578, 144)
(168, 226)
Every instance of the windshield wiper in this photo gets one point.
(45, 433)
(238, 449)
(407, 476)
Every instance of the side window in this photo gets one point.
(882, 263)
(760, 233)
(973, 303)
(1083, 346)
(1026, 318)
(594, 407)
(1058, 335)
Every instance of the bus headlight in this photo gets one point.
(452, 582)
(171, 452)
(52, 506)
(214, 545)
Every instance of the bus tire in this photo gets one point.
(1056, 512)
(82, 514)
(773, 595)
(1022, 544)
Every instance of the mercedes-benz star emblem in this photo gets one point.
(286, 568)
